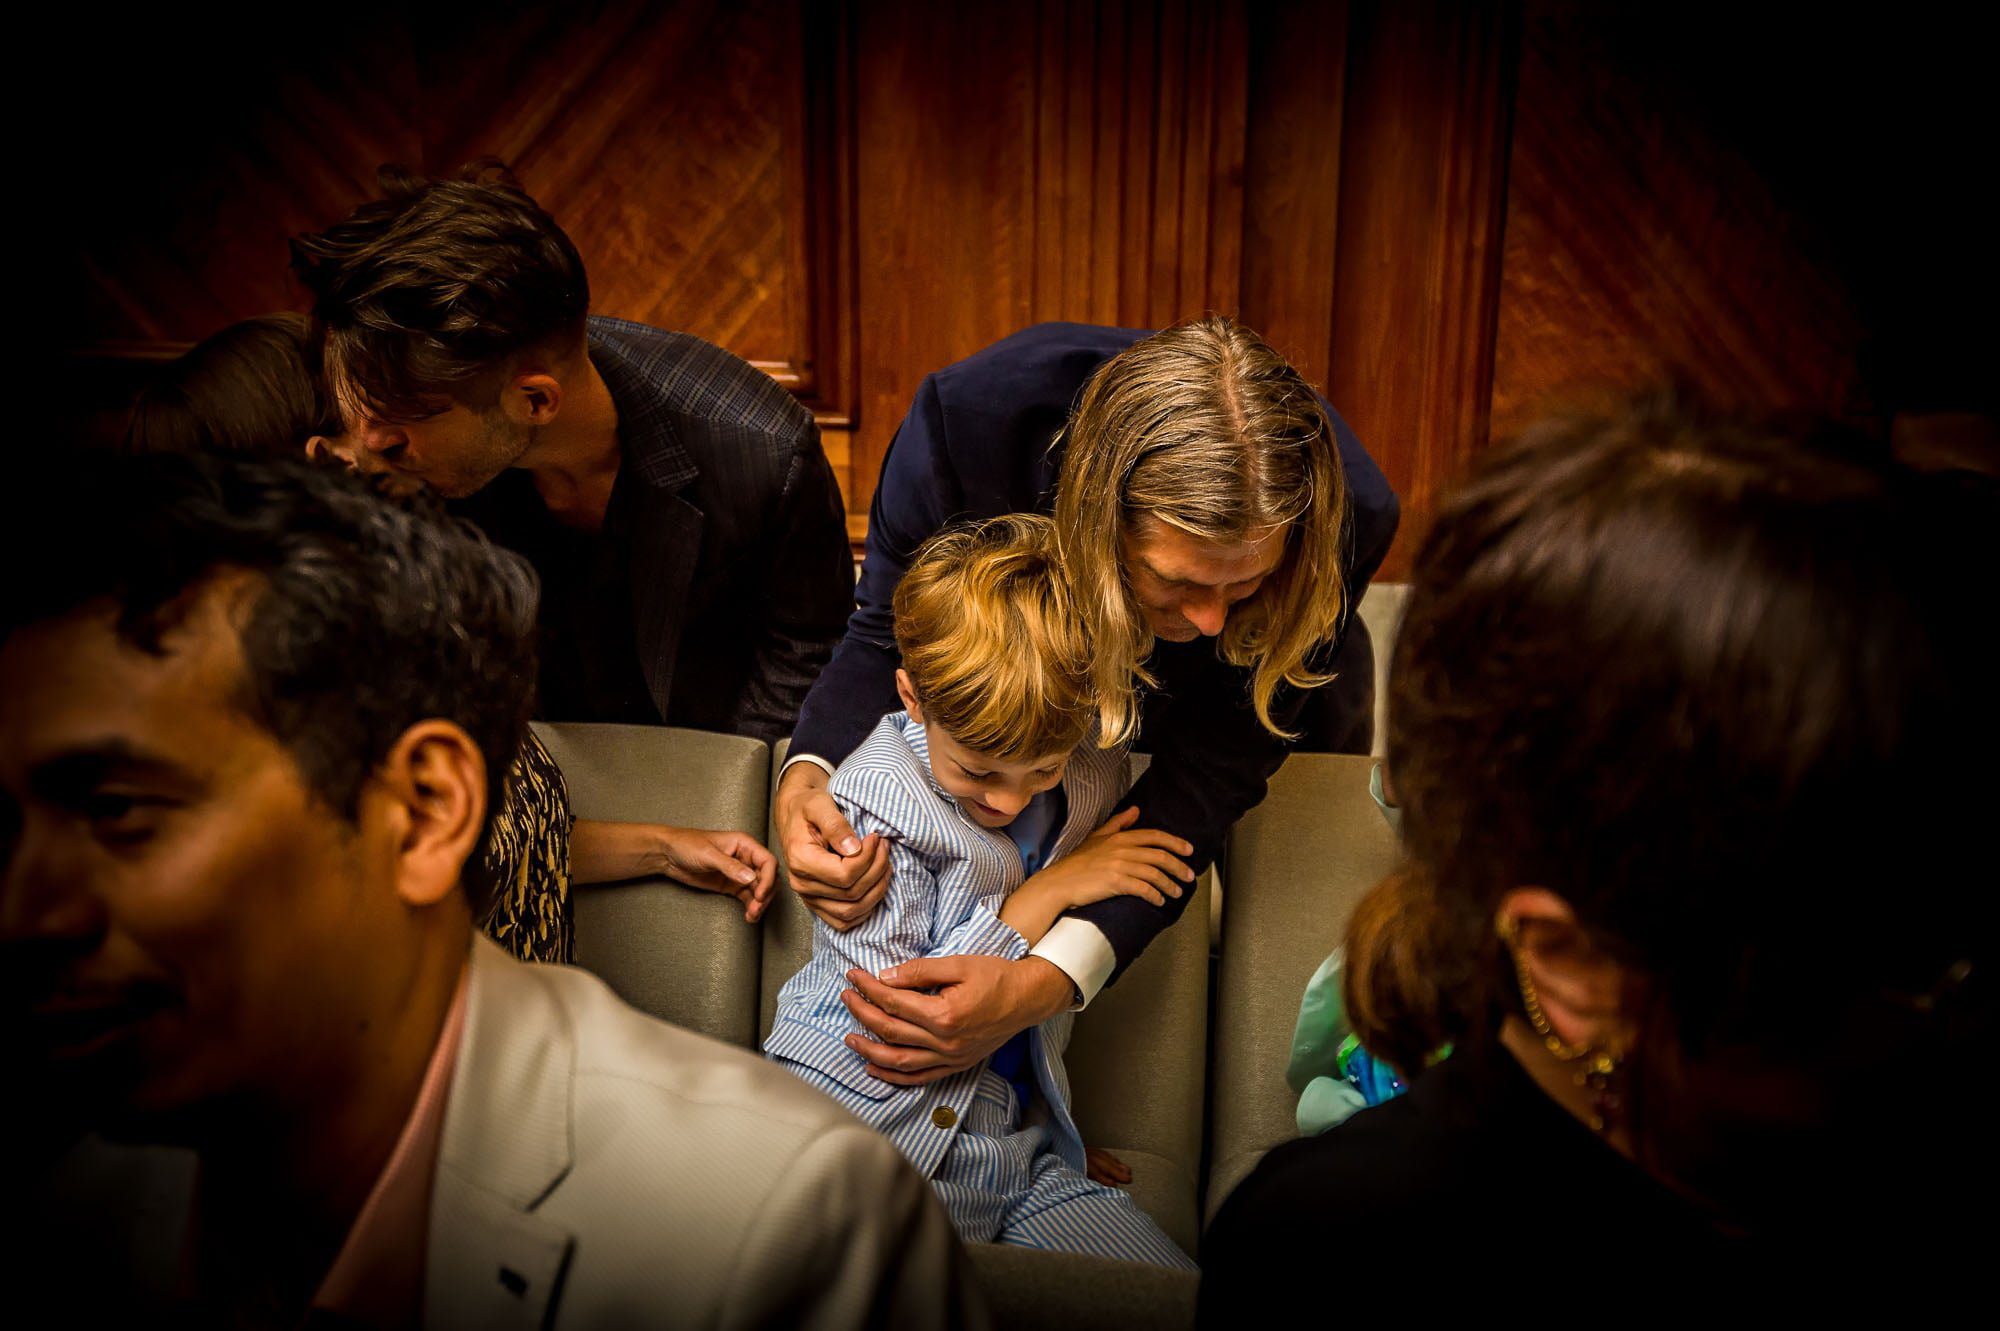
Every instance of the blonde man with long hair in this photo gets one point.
(1216, 522)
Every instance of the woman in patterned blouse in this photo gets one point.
(249, 388)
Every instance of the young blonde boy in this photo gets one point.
(991, 802)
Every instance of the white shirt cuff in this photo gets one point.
(812, 758)
(1079, 950)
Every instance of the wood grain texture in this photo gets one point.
(1417, 267)
(1291, 209)
(1443, 211)
(675, 144)
(1641, 243)
(1141, 118)
(944, 228)
(1082, 160)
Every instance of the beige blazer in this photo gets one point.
(599, 1168)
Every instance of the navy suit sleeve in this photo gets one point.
(1212, 758)
(915, 496)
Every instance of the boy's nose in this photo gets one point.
(1008, 802)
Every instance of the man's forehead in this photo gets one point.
(356, 412)
(1176, 556)
(74, 685)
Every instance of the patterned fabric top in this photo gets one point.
(527, 858)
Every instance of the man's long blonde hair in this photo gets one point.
(1206, 429)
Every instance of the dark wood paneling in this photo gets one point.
(195, 145)
(1077, 160)
(1298, 91)
(670, 140)
(1641, 242)
(1140, 125)
(1443, 211)
(1417, 268)
(944, 101)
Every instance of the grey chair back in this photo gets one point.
(788, 925)
(1297, 864)
(682, 955)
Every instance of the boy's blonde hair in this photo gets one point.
(990, 635)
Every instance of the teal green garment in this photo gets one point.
(1326, 1097)
(1391, 812)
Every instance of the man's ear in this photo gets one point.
(533, 398)
(435, 781)
(1581, 988)
(908, 693)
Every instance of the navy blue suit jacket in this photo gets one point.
(977, 444)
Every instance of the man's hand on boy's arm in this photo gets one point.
(1115, 860)
(980, 1003)
(840, 877)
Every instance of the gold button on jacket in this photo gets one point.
(943, 1117)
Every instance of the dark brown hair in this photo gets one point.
(250, 388)
(434, 292)
(373, 614)
(1711, 682)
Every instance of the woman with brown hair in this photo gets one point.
(1679, 716)
(251, 389)
(1217, 521)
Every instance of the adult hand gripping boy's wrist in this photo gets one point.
(839, 876)
(979, 1003)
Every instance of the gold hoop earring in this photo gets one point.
(1596, 1065)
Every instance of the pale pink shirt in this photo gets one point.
(378, 1278)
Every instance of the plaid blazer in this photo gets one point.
(729, 526)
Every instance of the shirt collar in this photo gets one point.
(378, 1278)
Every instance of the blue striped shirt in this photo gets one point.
(949, 877)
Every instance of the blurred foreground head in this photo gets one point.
(246, 713)
(1693, 725)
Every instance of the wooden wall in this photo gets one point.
(1447, 213)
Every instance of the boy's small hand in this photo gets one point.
(1118, 859)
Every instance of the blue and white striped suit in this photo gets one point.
(1001, 1179)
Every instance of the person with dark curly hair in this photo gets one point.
(1692, 726)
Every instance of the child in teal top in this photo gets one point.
(1333, 1075)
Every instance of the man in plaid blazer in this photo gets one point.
(676, 502)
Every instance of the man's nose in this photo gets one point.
(45, 896)
(1207, 613)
